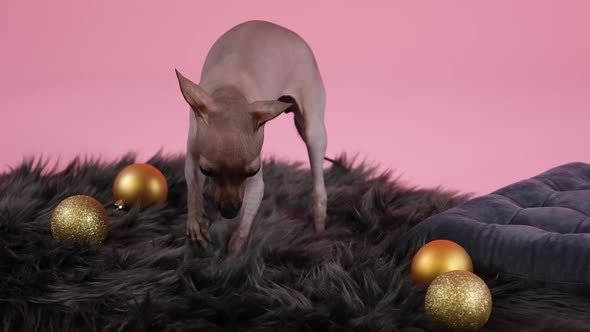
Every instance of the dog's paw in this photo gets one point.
(196, 232)
(236, 244)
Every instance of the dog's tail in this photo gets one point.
(336, 162)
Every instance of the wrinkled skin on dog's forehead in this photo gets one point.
(229, 133)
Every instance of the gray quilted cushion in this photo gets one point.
(537, 229)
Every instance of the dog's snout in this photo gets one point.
(228, 209)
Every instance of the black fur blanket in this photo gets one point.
(147, 278)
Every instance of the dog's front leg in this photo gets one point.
(196, 228)
(253, 194)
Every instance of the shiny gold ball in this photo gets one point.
(80, 218)
(459, 300)
(437, 257)
(139, 183)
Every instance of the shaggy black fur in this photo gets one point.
(147, 278)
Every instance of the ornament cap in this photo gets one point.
(119, 204)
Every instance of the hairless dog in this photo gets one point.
(254, 72)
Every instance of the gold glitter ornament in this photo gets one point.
(139, 183)
(459, 300)
(80, 218)
(436, 257)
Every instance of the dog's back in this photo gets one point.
(265, 60)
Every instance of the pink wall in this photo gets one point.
(460, 94)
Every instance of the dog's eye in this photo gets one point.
(206, 172)
(251, 174)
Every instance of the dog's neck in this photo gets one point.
(238, 83)
(228, 95)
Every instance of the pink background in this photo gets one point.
(461, 94)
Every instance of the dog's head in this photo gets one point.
(229, 136)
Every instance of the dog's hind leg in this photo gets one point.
(316, 140)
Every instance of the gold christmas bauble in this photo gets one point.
(459, 300)
(437, 257)
(139, 183)
(80, 218)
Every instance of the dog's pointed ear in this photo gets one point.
(266, 110)
(201, 103)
